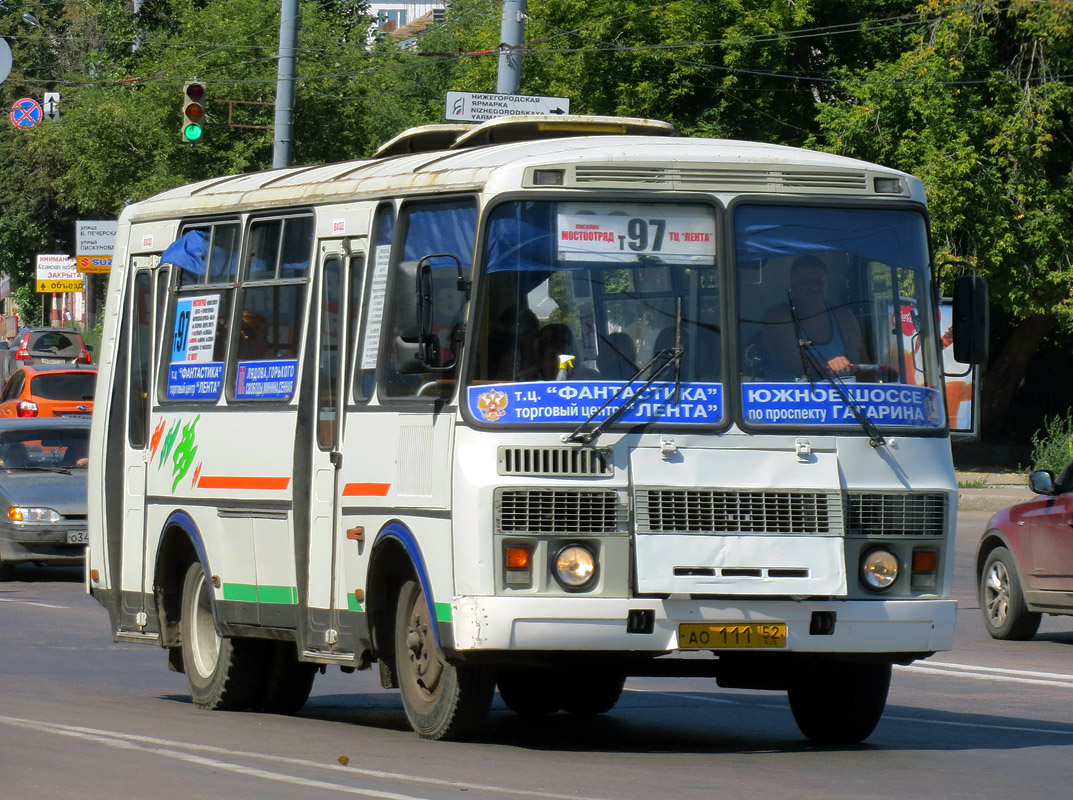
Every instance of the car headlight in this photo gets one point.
(574, 567)
(32, 514)
(879, 569)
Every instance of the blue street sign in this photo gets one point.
(25, 113)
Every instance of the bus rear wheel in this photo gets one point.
(838, 702)
(222, 674)
(529, 693)
(442, 700)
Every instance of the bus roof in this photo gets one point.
(593, 152)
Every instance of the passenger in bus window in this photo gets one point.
(832, 329)
(253, 337)
(519, 360)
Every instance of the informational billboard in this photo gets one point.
(94, 243)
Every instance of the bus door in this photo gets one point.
(338, 302)
(148, 293)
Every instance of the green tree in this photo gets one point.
(979, 108)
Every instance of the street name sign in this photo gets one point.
(94, 243)
(477, 107)
(57, 273)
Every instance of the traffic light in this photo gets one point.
(193, 111)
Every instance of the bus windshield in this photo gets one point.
(828, 295)
(577, 296)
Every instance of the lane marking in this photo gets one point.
(167, 748)
(29, 603)
(991, 674)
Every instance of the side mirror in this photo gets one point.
(413, 300)
(971, 319)
(1041, 482)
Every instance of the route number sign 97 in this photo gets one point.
(673, 233)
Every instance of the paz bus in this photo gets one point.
(534, 405)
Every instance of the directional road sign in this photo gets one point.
(25, 113)
(57, 273)
(51, 106)
(477, 107)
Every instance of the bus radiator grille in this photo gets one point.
(706, 511)
(559, 511)
(896, 514)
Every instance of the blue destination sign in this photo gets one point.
(266, 380)
(798, 404)
(576, 401)
(195, 380)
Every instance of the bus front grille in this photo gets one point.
(706, 511)
(565, 462)
(559, 511)
(896, 514)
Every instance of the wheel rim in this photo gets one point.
(205, 643)
(426, 668)
(997, 594)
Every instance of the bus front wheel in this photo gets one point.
(442, 700)
(836, 702)
(222, 674)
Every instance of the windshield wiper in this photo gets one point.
(673, 355)
(810, 356)
(61, 470)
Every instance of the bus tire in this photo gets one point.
(592, 693)
(837, 702)
(222, 674)
(287, 681)
(529, 693)
(442, 700)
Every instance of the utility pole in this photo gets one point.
(509, 79)
(288, 57)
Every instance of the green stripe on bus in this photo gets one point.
(352, 603)
(443, 612)
(251, 593)
(280, 595)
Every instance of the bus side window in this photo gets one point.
(373, 304)
(205, 261)
(430, 229)
(270, 307)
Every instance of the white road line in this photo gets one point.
(29, 603)
(173, 749)
(991, 674)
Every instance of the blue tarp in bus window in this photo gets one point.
(189, 253)
(441, 228)
(520, 238)
(887, 236)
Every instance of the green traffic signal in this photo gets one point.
(193, 111)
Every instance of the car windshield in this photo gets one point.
(64, 385)
(54, 343)
(41, 447)
(578, 296)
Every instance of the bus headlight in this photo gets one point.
(574, 567)
(879, 569)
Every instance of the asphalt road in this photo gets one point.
(82, 717)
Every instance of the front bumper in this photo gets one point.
(599, 624)
(41, 544)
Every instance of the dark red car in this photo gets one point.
(1024, 565)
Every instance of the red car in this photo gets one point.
(49, 391)
(1024, 564)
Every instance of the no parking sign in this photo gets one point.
(25, 113)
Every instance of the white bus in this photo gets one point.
(539, 404)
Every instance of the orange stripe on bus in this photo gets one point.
(238, 482)
(366, 489)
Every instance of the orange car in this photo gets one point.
(48, 391)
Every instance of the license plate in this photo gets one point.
(51, 360)
(739, 635)
(74, 415)
(77, 537)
